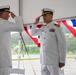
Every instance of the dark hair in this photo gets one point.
(4, 9)
(1, 13)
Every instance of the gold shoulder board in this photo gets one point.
(58, 25)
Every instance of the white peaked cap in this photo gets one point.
(3, 7)
(47, 9)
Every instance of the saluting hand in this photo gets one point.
(37, 20)
(12, 14)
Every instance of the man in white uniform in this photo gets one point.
(53, 43)
(5, 37)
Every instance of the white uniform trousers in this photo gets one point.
(49, 70)
(4, 70)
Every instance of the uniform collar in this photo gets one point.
(0, 18)
(50, 24)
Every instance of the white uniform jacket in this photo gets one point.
(53, 43)
(5, 39)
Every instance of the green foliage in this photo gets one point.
(30, 45)
(71, 44)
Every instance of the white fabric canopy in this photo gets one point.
(30, 9)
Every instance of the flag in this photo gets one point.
(71, 25)
(35, 38)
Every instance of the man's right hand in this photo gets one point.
(37, 20)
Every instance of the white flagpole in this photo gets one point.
(20, 2)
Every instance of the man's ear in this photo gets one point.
(1, 14)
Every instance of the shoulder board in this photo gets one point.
(58, 25)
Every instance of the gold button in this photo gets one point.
(42, 30)
(44, 38)
(47, 26)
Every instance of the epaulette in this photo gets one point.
(58, 25)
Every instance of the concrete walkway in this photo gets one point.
(34, 65)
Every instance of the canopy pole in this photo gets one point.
(20, 7)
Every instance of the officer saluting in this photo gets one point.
(53, 44)
(5, 39)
